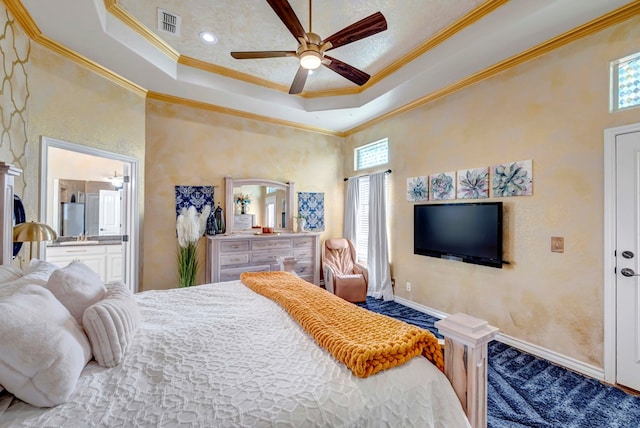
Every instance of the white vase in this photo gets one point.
(302, 225)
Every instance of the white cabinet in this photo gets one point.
(114, 264)
(105, 260)
(230, 255)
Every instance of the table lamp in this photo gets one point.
(33, 232)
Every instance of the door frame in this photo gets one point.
(130, 198)
(609, 294)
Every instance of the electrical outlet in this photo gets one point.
(408, 285)
(557, 244)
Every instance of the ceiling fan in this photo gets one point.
(311, 48)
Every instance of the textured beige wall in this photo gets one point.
(73, 104)
(552, 110)
(190, 146)
(70, 103)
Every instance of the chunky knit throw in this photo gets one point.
(364, 341)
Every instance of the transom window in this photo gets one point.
(372, 154)
(625, 83)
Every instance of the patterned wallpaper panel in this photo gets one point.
(311, 207)
(15, 49)
(198, 196)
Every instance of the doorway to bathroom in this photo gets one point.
(90, 197)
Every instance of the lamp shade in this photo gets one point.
(33, 231)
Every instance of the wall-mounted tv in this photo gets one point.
(468, 232)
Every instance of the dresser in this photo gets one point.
(230, 255)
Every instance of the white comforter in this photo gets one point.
(220, 355)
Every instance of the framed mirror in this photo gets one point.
(252, 203)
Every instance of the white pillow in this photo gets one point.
(39, 271)
(111, 325)
(43, 350)
(77, 287)
(9, 273)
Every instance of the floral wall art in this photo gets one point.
(512, 179)
(417, 189)
(443, 186)
(311, 208)
(473, 183)
(506, 179)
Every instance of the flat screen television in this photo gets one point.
(468, 232)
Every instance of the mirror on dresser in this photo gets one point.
(252, 202)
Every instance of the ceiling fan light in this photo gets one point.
(310, 60)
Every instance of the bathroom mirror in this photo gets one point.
(252, 202)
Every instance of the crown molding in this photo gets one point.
(29, 26)
(227, 72)
(239, 113)
(617, 16)
(479, 12)
(119, 12)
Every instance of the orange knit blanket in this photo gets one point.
(364, 341)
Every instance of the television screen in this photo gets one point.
(469, 232)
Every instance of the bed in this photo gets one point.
(223, 355)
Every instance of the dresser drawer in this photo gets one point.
(234, 274)
(231, 246)
(270, 244)
(306, 242)
(308, 278)
(303, 253)
(268, 256)
(230, 255)
(234, 259)
(304, 268)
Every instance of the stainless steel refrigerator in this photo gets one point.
(72, 219)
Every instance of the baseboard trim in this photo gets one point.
(538, 351)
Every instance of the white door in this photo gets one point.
(110, 214)
(270, 209)
(628, 260)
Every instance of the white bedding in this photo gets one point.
(220, 355)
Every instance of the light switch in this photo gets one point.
(557, 244)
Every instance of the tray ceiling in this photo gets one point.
(429, 46)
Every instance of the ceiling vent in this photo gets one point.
(168, 22)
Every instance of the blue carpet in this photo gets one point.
(526, 391)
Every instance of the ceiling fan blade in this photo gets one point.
(299, 80)
(366, 27)
(283, 9)
(262, 54)
(347, 71)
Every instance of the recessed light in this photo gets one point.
(208, 38)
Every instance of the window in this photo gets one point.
(625, 83)
(369, 156)
(373, 154)
(362, 244)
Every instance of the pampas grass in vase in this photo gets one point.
(190, 227)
